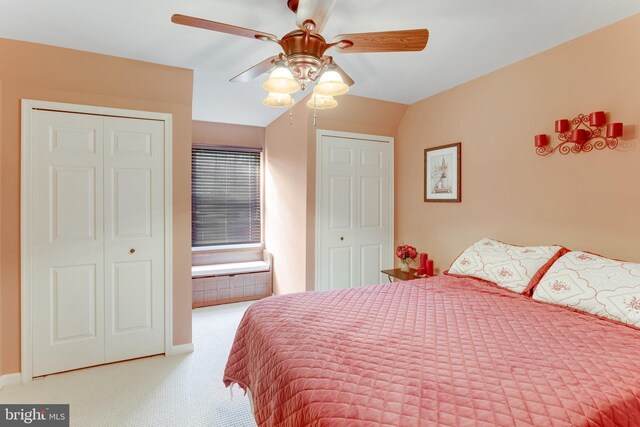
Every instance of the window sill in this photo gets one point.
(229, 269)
(220, 248)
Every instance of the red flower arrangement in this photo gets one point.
(406, 251)
(406, 254)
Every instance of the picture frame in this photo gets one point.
(443, 173)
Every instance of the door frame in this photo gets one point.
(26, 215)
(359, 136)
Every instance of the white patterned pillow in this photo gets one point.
(594, 284)
(517, 268)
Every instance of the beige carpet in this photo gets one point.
(184, 390)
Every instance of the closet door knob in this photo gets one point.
(341, 238)
(131, 251)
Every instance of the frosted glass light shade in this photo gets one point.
(278, 100)
(321, 102)
(281, 81)
(331, 84)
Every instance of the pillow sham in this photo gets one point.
(517, 268)
(595, 284)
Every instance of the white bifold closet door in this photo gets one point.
(97, 240)
(354, 214)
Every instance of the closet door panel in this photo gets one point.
(132, 199)
(354, 215)
(134, 238)
(66, 265)
(374, 210)
(337, 221)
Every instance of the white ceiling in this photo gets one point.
(469, 38)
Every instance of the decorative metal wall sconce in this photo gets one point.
(584, 133)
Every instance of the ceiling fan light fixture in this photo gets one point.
(331, 84)
(302, 61)
(281, 81)
(321, 102)
(279, 100)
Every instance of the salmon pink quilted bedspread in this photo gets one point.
(441, 351)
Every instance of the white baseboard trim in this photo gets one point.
(180, 349)
(10, 379)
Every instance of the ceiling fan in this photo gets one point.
(303, 60)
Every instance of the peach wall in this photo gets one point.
(227, 134)
(588, 201)
(285, 199)
(290, 180)
(49, 73)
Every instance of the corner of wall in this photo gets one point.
(285, 199)
(290, 179)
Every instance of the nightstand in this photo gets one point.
(396, 273)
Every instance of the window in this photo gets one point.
(225, 201)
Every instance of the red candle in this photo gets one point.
(430, 267)
(614, 130)
(422, 271)
(562, 125)
(579, 136)
(597, 119)
(423, 260)
(541, 140)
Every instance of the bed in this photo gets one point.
(445, 351)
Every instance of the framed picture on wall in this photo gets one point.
(442, 173)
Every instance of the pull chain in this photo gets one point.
(314, 110)
(291, 115)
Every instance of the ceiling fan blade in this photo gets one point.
(347, 79)
(317, 11)
(255, 71)
(386, 41)
(191, 21)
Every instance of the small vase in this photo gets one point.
(404, 266)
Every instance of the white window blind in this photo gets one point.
(225, 201)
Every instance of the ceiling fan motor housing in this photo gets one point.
(304, 52)
(299, 41)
